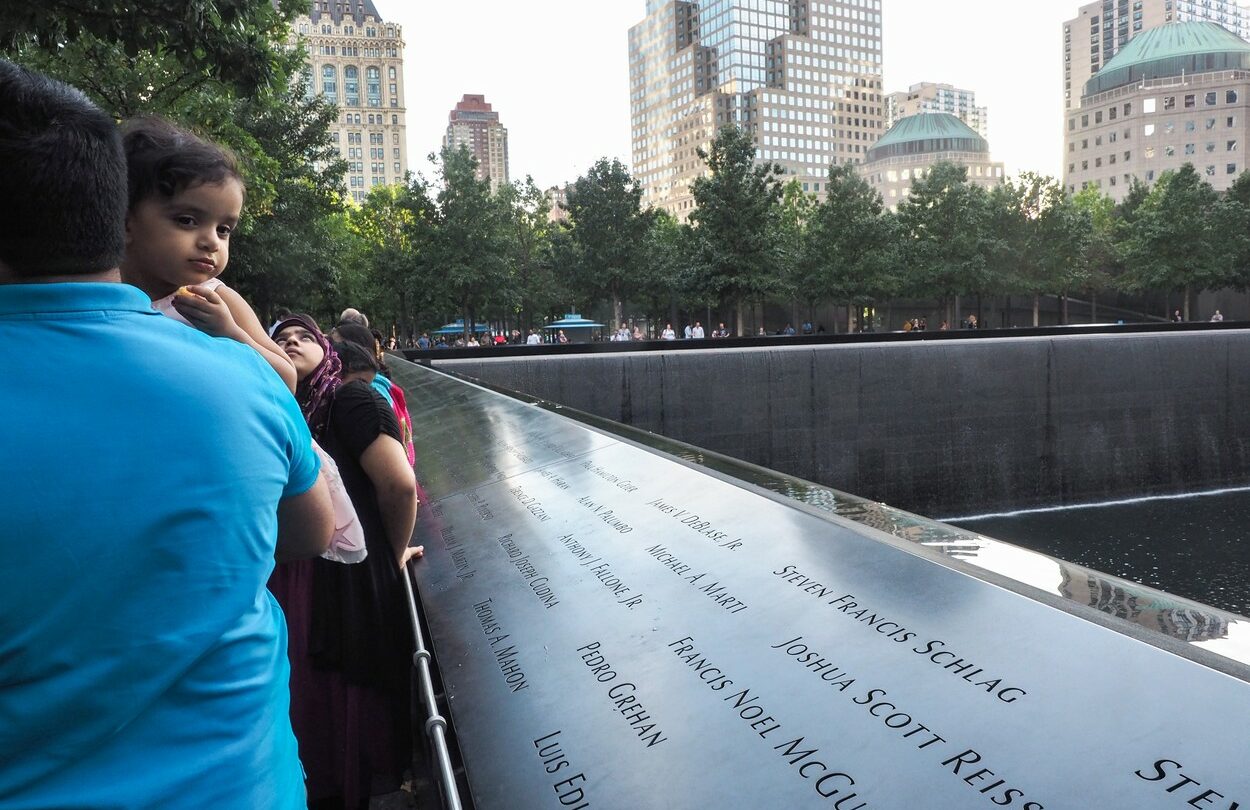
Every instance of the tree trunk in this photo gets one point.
(740, 317)
(1006, 319)
(617, 317)
(1093, 306)
(1037, 310)
(955, 314)
(1064, 302)
(1186, 313)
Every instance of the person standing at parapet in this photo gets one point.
(145, 488)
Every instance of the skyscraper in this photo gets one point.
(1102, 27)
(930, 97)
(473, 124)
(356, 60)
(804, 78)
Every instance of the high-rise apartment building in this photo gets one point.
(803, 77)
(1102, 27)
(356, 60)
(1176, 94)
(474, 125)
(930, 97)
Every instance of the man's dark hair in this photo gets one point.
(163, 159)
(62, 179)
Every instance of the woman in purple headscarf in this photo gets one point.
(350, 644)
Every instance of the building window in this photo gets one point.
(1150, 152)
(1148, 130)
(1084, 143)
(373, 86)
(1111, 113)
(1169, 103)
(1230, 96)
(395, 119)
(1148, 105)
(1128, 108)
(1210, 171)
(1231, 146)
(1169, 151)
(329, 83)
(351, 86)
(1190, 126)
(1098, 117)
(1210, 147)
(1084, 120)
(1190, 149)
(1231, 121)
(1210, 123)
(1072, 146)
(390, 73)
(1189, 100)
(1210, 99)
(1231, 168)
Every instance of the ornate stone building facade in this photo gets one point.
(356, 60)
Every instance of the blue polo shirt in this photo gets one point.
(142, 661)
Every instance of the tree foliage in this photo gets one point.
(735, 221)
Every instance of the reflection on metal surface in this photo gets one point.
(1214, 630)
(615, 627)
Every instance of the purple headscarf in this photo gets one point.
(315, 391)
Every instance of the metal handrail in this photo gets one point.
(436, 724)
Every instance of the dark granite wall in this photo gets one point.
(941, 428)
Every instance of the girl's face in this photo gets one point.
(180, 240)
(302, 347)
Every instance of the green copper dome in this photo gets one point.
(1171, 50)
(927, 133)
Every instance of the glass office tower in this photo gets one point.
(804, 78)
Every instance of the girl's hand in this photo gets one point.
(411, 553)
(206, 311)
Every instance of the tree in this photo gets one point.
(469, 247)
(608, 226)
(1232, 223)
(664, 267)
(1101, 259)
(236, 42)
(851, 247)
(943, 226)
(735, 221)
(793, 223)
(294, 237)
(1170, 244)
(1037, 238)
(529, 248)
(223, 69)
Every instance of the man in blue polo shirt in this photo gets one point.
(148, 476)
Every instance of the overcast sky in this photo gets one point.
(557, 72)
